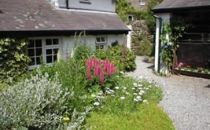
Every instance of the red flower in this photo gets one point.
(188, 66)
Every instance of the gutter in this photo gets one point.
(173, 9)
(159, 49)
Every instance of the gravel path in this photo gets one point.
(186, 99)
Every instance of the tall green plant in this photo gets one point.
(13, 58)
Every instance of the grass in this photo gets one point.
(148, 117)
(128, 115)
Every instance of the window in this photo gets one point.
(51, 50)
(142, 2)
(35, 51)
(43, 50)
(130, 17)
(101, 43)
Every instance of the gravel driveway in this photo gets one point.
(186, 99)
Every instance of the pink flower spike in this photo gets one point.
(96, 71)
(112, 68)
(88, 72)
(99, 69)
(94, 61)
(101, 77)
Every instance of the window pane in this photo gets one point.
(102, 39)
(38, 43)
(48, 42)
(38, 60)
(49, 51)
(99, 46)
(32, 61)
(49, 59)
(31, 52)
(55, 58)
(98, 39)
(55, 42)
(38, 51)
(31, 44)
(55, 51)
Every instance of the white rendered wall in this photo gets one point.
(67, 43)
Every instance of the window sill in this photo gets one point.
(85, 2)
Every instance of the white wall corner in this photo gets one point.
(129, 37)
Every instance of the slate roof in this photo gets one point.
(168, 5)
(39, 15)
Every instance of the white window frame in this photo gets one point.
(44, 47)
(101, 41)
(142, 2)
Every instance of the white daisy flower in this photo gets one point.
(116, 87)
(96, 103)
(145, 101)
(122, 98)
(135, 84)
(93, 95)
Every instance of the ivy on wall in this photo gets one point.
(13, 58)
(123, 8)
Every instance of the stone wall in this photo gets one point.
(136, 4)
(140, 33)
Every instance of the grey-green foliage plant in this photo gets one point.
(36, 103)
(13, 58)
(77, 119)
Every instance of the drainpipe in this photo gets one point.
(84, 35)
(67, 4)
(157, 54)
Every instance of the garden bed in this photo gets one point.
(191, 73)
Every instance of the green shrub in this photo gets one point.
(122, 57)
(82, 52)
(36, 103)
(100, 53)
(13, 59)
(145, 48)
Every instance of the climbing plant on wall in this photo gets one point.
(171, 32)
(123, 8)
(13, 58)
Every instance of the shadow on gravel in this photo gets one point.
(148, 60)
(150, 67)
(208, 86)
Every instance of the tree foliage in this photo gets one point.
(150, 20)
